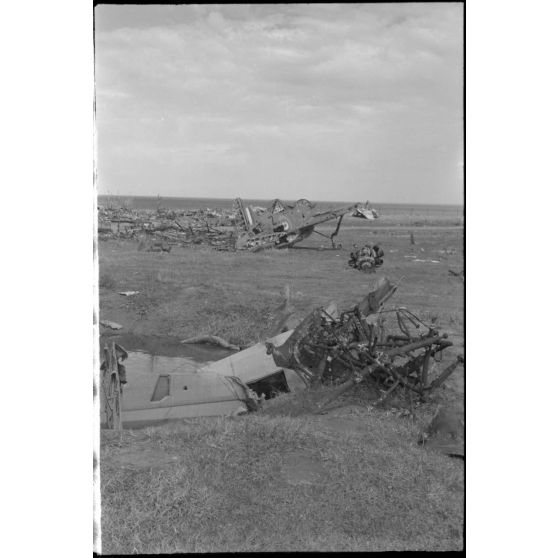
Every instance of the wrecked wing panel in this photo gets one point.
(190, 395)
(190, 388)
(249, 365)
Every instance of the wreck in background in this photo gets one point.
(283, 225)
(365, 212)
(244, 227)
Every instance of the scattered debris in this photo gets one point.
(244, 227)
(367, 258)
(111, 325)
(128, 293)
(158, 230)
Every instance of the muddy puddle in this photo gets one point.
(150, 356)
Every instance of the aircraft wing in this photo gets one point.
(324, 216)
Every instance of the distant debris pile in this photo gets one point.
(243, 227)
(160, 228)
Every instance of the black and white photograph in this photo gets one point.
(280, 245)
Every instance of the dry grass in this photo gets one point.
(233, 295)
(224, 488)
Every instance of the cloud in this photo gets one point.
(333, 93)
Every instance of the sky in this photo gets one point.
(348, 102)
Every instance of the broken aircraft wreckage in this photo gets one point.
(245, 227)
(283, 225)
(327, 347)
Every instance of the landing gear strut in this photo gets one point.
(332, 235)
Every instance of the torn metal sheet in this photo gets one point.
(365, 212)
(172, 396)
(191, 394)
(254, 364)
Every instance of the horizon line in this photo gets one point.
(262, 199)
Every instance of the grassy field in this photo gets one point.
(198, 289)
(273, 483)
(282, 479)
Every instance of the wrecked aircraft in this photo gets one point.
(174, 396)
(282, 225)
(328, 347)
(359, 345)
(191, 394)
(256, 368)
(244, 227)
(365, 212)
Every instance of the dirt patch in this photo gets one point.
(302, 469)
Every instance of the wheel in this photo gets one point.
(112, 403)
